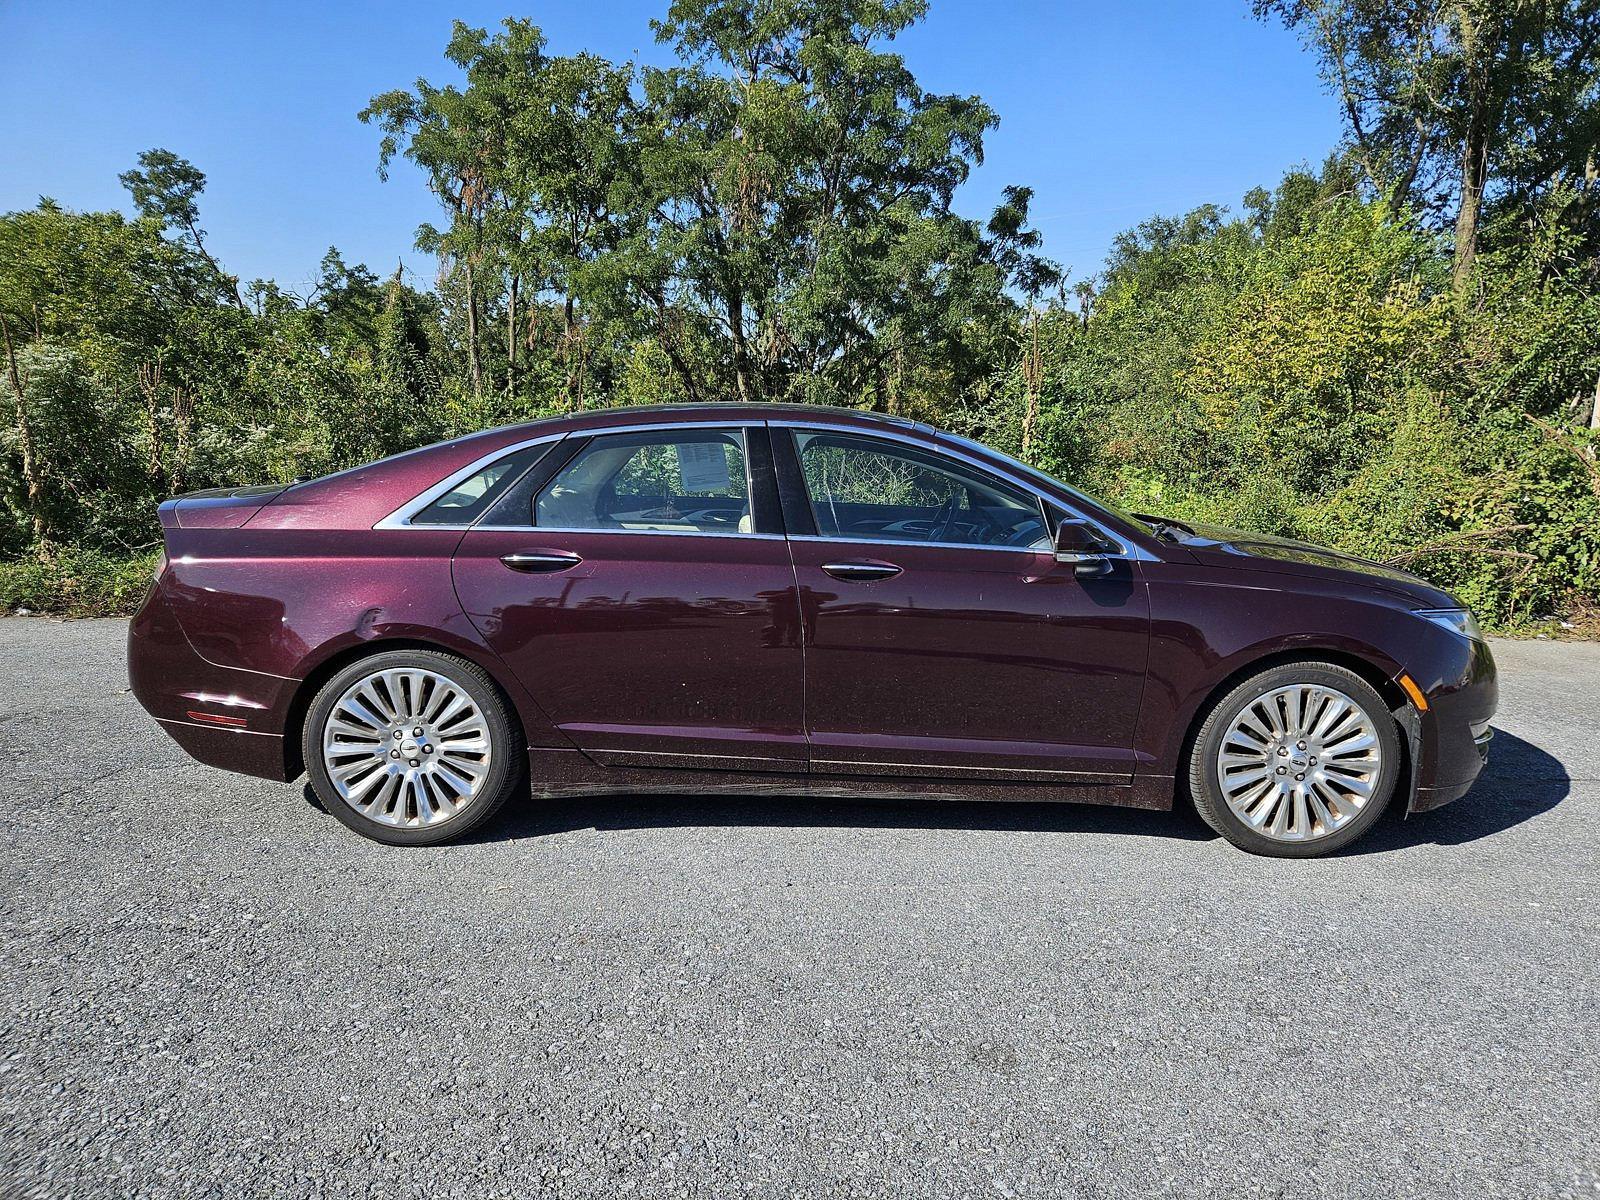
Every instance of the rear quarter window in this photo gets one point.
(473, 496)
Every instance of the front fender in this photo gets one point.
(1211, 626)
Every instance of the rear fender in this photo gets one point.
(285, 604)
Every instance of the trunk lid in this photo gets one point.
(217, 508)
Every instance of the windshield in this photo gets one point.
(1037, 476)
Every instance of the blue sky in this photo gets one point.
(1111, 111)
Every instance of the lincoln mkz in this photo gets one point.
(785, 599)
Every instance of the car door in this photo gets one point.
(942, 637)
(639, 584)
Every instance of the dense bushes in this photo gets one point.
(1309, 371)
(75, 582)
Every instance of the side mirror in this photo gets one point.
(1078, 543)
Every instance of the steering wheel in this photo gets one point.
(1024, 533)
(945, 517)
(999, 531)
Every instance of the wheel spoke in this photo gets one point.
(446, 749)
(1280, 819)
(1331, 715)
(1352, 783)
(361, 787)
(1235, 782)
(1320, 812)
(367, 694)
(1297, 762)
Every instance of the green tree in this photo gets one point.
(167, 189)
(1450, 103)
(800, 183)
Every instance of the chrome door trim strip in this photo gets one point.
(768, 537)
(866, 541)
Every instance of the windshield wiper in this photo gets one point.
(1166, 529)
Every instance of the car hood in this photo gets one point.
(1216, 545)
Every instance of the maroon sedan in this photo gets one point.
(812, 600)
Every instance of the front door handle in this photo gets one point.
(862, 570)
(541, 562)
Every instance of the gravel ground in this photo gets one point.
(218, 990)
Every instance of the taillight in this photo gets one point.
(161, 566)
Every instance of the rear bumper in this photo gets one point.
(258, 754)
(221, 716)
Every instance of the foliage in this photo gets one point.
(773, 217)
(1452, 104)
(75, 582)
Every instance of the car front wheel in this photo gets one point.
(412, 747)
(1296, 761)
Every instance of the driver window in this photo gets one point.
(669, 481)
(862, 488)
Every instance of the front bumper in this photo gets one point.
(1435, 797)
(1454, 734)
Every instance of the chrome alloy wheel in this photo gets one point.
(407, 748)
(1299, 762)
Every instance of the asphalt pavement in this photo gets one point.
(215, 989)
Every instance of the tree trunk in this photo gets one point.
(667, 337)
(569, 327)
(183, 421)
(30, 465)
(1031, 373)
(1474, 173)
(231, 280)
(511, 338)
(474, 363)
(150, 387)
(742, 376)
(1482, 119)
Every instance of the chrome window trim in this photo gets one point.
(737, 428)
(1047, 551)
(400, 518)
(1124, 550)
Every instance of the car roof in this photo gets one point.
(733, 412)
(364, 494)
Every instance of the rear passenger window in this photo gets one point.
(669, 481)
(468, 500)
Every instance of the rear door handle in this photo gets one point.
(541, 562)
(863, 570)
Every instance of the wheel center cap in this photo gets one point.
(1299, 761)
(409, 748)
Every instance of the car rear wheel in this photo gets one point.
(412, 747)
(1296, 761)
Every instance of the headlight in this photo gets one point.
(1457, 619)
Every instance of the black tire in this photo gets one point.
(507, 758)
(1206, 789)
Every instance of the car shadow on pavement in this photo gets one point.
(671, 810)
(1520, 782)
